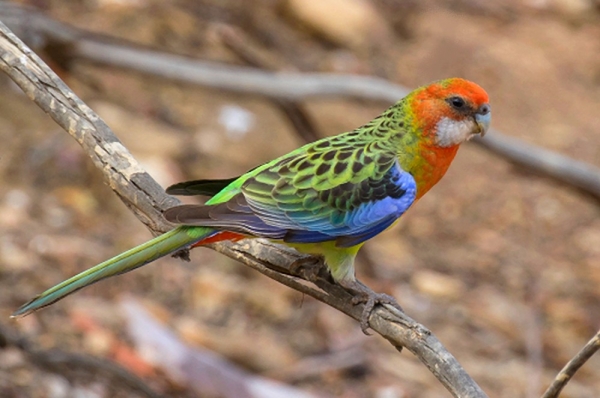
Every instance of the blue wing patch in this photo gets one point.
(349, 213)
(380, 203)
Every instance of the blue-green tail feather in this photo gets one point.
(134, 258)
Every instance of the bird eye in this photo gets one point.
(456, 102)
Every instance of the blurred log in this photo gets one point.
(204, 372)
(71, 43)
(548, 163)
(146, 199)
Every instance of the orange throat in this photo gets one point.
(435, 163)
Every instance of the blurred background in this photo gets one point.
(502, 264)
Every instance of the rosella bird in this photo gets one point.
(326, 198)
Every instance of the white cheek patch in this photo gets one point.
(451, 132)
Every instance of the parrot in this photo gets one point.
(326, 198)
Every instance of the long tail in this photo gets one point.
(124, 262)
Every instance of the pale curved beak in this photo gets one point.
(483, 118)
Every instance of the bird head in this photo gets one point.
(452, 111)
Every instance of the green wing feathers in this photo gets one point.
(345, 188)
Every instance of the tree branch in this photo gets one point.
(143, 195)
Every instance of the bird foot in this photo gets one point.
(307, 267)
(366, 296)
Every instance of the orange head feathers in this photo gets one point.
(451, 111)
(444, 114)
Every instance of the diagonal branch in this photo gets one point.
(146, 199)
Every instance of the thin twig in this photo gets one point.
(42, 85)
(563, 377)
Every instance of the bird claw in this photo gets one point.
(370, 301)
(364, 295)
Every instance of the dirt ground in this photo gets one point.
(503, 265)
